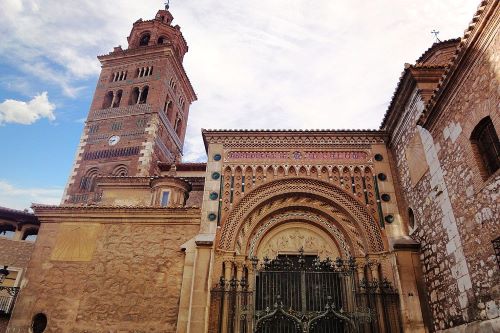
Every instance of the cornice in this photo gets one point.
(118, 214)
(296, 138)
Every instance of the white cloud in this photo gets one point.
(26, 113)
(22, 198)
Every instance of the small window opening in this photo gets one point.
(496, 248)
(178, 127)
(118, 99)
(30, 234)
(87, 183)
(411, 218)
(39, 323)
(162, 40)
(164, 198)
(144, 95)
(134, 96)
(486, 146)
(120, 171)
(7, 231)
(108, 99)
(145, 40)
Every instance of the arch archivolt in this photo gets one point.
(298, 229)
(338, 206)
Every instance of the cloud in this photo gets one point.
(27, 113)
(22, 198)
(274, 64)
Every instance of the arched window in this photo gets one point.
(486, 147)
(411, 218)
(120, 171)
(144, 95)
(162, 40)
(170, 112)
(108, 99)
(178, 127)
(30, 234)
(7, 231)
(118, 99)
(134, 95)
(87, 183)
(144, 41)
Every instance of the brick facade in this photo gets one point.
(456, 210)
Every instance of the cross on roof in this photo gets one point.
(436, 33)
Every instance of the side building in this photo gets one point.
(18, 232)
(444, 122)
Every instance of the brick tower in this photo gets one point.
(139, 113)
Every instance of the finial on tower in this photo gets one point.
(436, 33)
(167, 4)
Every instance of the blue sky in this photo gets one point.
(273, 64)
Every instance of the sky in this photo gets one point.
(294, 64)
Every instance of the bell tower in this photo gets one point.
(139, 113)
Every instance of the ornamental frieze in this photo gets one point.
(298, 155)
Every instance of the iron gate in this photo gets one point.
(305, 294)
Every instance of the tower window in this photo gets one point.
(119, 76)
(134, 96)
(117, 99)
(144, 41)
(120, 171)
(144, 95)
(178, 127)
(87, 183)
(486, 147)
(162, 40)
(144, 71)
(108, 99)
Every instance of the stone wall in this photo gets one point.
(457, 211)
(15, 253)
(131, 284)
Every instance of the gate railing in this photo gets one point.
(304, 294)
(8, 297)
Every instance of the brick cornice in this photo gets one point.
(292, 138)
(118, 215)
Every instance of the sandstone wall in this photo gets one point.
(457, 212)
(131, 284)
(15, 253)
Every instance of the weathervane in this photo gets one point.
(167, 4)
(436, 33)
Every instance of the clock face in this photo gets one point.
(113, 140)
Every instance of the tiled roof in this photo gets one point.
(17, 215)
(419, 65)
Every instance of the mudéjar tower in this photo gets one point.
(139, 112)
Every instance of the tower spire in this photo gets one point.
(167, 5)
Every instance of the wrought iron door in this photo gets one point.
(304, 294)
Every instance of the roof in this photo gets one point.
(435, 57)
(18, 215)
(486, 9)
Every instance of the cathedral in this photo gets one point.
(280, 231)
